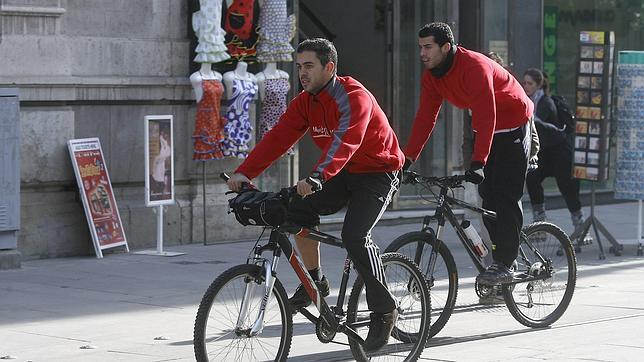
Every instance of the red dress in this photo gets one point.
(240, 23)
(209, 125)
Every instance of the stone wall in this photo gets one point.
(94, 68)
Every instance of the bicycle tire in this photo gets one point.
(443, 285)
(407, 283)
(224, 343)
(551, 303)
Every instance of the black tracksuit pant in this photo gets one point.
(555, 161)
(501, 191)
(366, 196)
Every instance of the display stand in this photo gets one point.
(159, 251)
(203, 195)
(629, 170)
(591, 139)
(159, 171)
(640, 249)
(580, 234)
(95, 188)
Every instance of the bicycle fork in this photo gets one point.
(268, 268)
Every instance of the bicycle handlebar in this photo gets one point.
(450, 182)
(286, 192)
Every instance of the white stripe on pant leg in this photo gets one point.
(374, 256)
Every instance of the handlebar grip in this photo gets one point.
(224, 176)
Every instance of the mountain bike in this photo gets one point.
(245, 314)
(544, 273)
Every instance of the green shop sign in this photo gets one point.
(550, 45)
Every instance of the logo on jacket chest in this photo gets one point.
(317, 131)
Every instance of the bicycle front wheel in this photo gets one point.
(443, 281)
(408, 286)
(229, 309)
(547, 261)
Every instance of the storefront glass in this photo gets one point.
(407, 69)
(563, 20)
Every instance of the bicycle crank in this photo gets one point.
(324, 332)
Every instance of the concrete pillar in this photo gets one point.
(9, 178)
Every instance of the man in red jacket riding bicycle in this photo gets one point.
(500, 114)
(359, 168)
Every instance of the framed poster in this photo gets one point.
(97, 195)
(159, 161)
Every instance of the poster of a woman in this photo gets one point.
(159, 160)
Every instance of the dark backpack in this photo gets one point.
(564, 113)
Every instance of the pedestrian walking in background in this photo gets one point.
(556, 151)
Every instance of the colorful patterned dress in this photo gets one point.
(209, 126)
(238, 128)
(207, 26)
(240, 24)
(273, 104)
(276, 30)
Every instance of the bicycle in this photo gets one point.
(245, 313)
(545, 271)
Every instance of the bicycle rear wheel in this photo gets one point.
(443, 283)
(407, 284)
(217, 336)
(541, 302)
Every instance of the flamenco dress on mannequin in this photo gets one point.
(276, 30)
(207, 26)
(240, 24)
(238, 127)
(273, 104)
(209, 127)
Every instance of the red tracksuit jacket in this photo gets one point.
(495, 97)
(345, 122)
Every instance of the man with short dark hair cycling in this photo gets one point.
(358, 169)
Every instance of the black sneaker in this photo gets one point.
(495, 274)
(380, 327)
(301, 299)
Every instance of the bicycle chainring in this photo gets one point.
(324, 332)
(482, 291)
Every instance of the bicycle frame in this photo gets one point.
(279, 243)
(443, 212)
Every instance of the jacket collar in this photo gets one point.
(446, 65)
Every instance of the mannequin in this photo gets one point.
(241, 89)
(240, 73)
(270, 72)
(204, 73)
(209, 125)
(273, 85)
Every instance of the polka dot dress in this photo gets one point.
(207, 25)
(273, 104)
(276, 30)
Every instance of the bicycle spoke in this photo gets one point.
(218, 336)
(547, 262)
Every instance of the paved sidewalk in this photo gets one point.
(129, 307)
